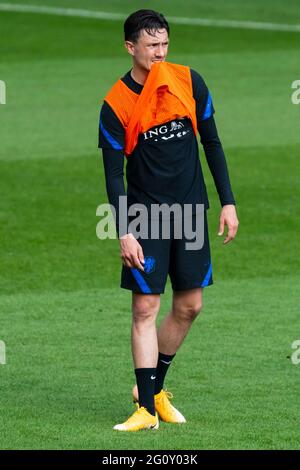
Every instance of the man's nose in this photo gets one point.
(160, 51)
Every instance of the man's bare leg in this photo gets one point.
(145, 308)
(175, 326)
(185, 307)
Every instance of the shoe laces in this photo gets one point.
(169, 394)
(140, 411)
(166, 394)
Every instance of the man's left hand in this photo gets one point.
(228, 217)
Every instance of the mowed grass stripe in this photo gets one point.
(102, 15)
(271, 11)
(50, 221)
(105, 39)
(58, 99)
(73, 364)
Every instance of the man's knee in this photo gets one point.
(145, 308)
(187, 311)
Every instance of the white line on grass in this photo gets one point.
(173, 19)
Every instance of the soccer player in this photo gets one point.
(152, 115)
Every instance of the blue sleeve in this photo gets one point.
(210, 141)
(111, 131)
(202, 97)
(216, 160)
(113, 161)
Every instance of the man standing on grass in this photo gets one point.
(152, 115)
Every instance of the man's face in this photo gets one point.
(149, 49)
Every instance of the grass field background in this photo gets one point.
(63, 317)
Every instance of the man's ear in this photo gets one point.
(130, 47)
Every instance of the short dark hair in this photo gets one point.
(144, 19)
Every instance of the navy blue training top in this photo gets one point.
(164, 167)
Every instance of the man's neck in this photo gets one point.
(139, 75)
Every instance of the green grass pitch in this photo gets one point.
(63, 317)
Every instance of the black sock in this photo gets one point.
(163, 364)
(145, 379)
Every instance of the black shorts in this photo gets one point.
(188, 269)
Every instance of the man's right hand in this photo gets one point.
(131, 252)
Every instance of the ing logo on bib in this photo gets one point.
(171, 130)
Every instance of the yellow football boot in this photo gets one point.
(141, 419)
(166, 411)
